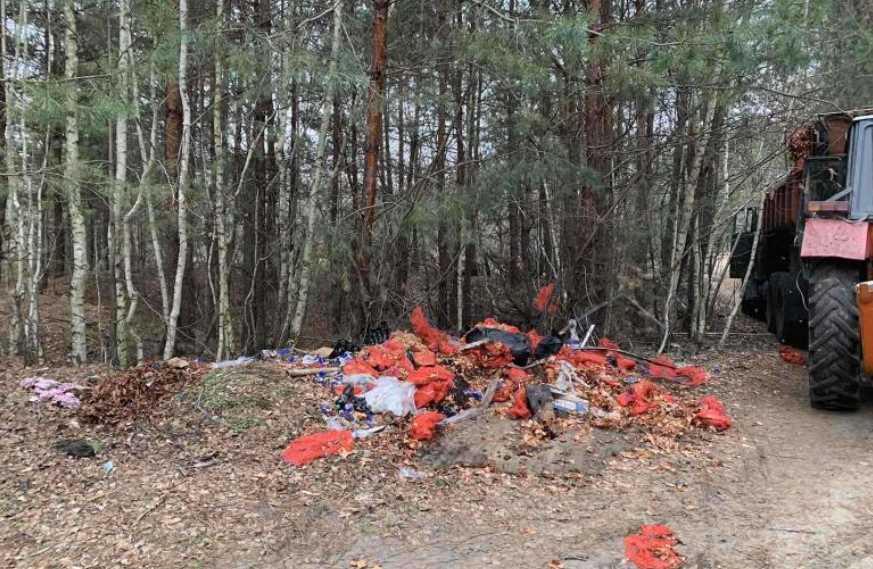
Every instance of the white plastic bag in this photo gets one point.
(391, 396)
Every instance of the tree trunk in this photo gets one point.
(226, 345)
(375, 94)
(72, 175)
(119, 192)
(184, 153)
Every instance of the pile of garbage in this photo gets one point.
(427, 380)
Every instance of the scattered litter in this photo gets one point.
(359, 434)
(240, 361)
(76, 448)
(792, 356)
(652, 548)
(178, 363)
(309, 448)
(50, 391)
(390, 395)
(543, 301)
(520, 409)
(713, 414)
(410, 474)
(108, 467)
(573, 406)
(490, 355)
(540, 401)
(424, 425)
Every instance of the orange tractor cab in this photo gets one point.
(814, 255)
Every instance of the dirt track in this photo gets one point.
(786, 487)
(793, 493)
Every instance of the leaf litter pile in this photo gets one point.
(360, 421)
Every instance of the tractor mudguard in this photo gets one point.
(836, 239)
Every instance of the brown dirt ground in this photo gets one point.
(202, 484)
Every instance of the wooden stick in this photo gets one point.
(303, 372)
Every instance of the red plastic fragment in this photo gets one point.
(519, 409)
(493, 355)
(652, 548)
(534, 338)
(497, 325)
(607, 343)
(504, 392)
(433, 392)
(582, 358)
(792, 356)
(544, 302)
(424, 425)
(425, 375)
(641, 397)
(662, 367)
(306, 449)
(695, 375)
(712, 414)
(516, 374)
(436, 340)
(356, 366)
(424, 358)
(624, 363)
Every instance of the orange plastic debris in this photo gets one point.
(492, 355)
(695, 375)
(425, 375)
(504, 392)
(516, 374)
(624, 363)
(497, 325)
(543, 301)
(641, 397)
(652, 548)
(436, 340)
(356, 366)
(424, 425)
(433, 392)
(792, 356)
(662, 367)
(519, 409)
(713, 414)
(309, 448)
(582, 358)
(379, 358)
(534, 338)
(424, 358)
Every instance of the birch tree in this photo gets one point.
(72, 180)
(182, 207)
(118, 222)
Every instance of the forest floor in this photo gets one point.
(202, 485)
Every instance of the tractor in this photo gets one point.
(814, 255)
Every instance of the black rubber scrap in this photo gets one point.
(76, 448)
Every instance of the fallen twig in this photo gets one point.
(303, 372)
(791, 530)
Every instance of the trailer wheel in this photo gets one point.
(834, 350)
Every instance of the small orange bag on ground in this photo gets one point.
(424, 425)
(713, 414)
(519, 409)
(309, 448)
(652, 548)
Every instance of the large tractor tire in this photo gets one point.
(834, 346)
